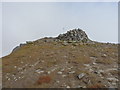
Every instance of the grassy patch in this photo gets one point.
(82, 59)
(104, 61)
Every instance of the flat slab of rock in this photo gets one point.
(80, 76)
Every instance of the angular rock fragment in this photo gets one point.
(80, 76)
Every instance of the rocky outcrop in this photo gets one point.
(74, 35)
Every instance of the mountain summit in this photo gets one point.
(70, 60)
(74, 35)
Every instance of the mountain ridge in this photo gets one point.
(62, 63)
(74, 35)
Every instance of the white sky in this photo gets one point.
(0, 29)
(60, 0)
(30, 21)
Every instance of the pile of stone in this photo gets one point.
(74, 35)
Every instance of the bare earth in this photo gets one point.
(62, 65)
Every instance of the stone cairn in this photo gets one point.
(77, 35)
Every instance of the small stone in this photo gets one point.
(15, 79)
(42, 61)
(64, 75)
(13, 75)
(58, 81)
(21, 72)
(62, 69)
(65, 43)
(96, 72)
(56, 65)
(24, 69)
(102, 77)
(48, 72)
(53, 69)
(87, 65)
(69, 68)
(104, 55)
(114, 84)
(59, 72)
(21, 62)
(8, 79)
(65, 56)
(36, 63)
(7, 73)
(112, 79)
(68, 87)
(19, 68)
(32, 65)
(26, 64)
(118, 68)
(66, 62)
(71, 72)
(94, 58)
(79, 86)
(42, 71)
(84, 86)
(75, 44)
(80, 76)
(114, 69)
(22, 77)
(39, 71)
(101, 72)
(15, 66)
(94, 63)
(91, 70)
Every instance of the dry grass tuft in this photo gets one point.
(96, 86)
(44, 79)
(82, 59)
(105, 61)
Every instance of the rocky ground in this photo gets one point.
(62, 63)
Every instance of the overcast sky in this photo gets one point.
(33, 20)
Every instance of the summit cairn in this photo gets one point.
(77, 35)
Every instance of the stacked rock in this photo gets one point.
(74, 35)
